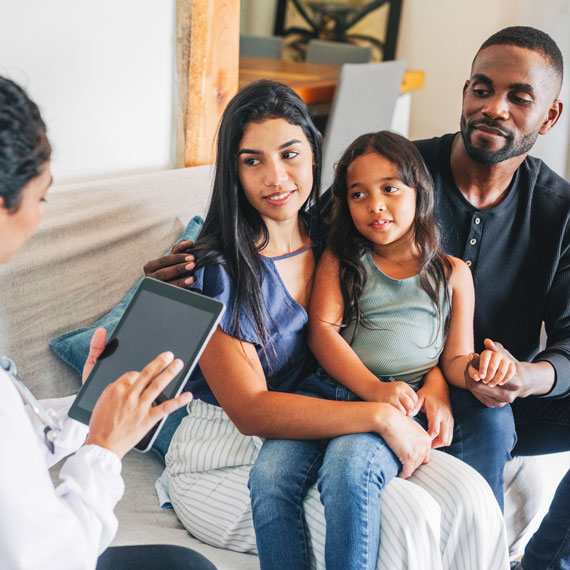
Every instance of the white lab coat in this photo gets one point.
(42, 526)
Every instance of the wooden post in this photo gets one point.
(208, 65)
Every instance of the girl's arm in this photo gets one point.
(493, 366)
(332, 351)
(458, 349)
(234, 373)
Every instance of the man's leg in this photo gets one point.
(549, 548)
(542, 424)
(483, 437)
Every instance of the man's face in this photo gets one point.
(508, 101)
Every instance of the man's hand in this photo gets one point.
(529, 378)
(173, 268)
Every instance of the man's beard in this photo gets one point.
(490, 157)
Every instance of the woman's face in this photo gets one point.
(275, 168)
(17, 227)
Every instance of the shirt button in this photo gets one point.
(472, 241)
(468, 263)
(477, 221)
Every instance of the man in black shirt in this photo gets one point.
(507, 215)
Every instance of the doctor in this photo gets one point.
(69, 526)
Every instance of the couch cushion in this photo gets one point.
(89, 250)
(73, 347)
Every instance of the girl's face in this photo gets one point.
(275, 168)
(381, 205)
(17, 227)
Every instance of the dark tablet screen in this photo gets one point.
(160, 317)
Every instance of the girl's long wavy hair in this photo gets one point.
(234, 232)
(348, 245)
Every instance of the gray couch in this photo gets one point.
(89, 251)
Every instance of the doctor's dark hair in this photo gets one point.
(234, 232)
(348, 244)
(24, 147)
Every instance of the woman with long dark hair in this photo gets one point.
(257, 252)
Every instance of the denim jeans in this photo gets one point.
(543, 426)
(351, 471)
(482, 437)
(549, 548)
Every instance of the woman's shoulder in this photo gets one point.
(212, 278)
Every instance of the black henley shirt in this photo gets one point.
(519, 255)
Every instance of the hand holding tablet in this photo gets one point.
(160, 318)
(124, 413)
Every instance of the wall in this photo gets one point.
(102, 73)
(442, 36)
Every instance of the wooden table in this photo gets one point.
(313, 82)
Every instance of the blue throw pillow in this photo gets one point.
(73, 347)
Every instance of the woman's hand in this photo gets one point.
(407, 439)
(398, 394)
(173, 268)
(96, 347)
(125, 413)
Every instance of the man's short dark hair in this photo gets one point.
(529, 38)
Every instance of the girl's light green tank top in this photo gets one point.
(404, 340)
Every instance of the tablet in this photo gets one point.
(160, 317)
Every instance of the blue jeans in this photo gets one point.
(482, 437)
(549, 548)
(543, 426)
(351, 472)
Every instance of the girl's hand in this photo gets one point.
(124, 413)
(437, 408)
(407, 439)
(398, 394)
(492, 367)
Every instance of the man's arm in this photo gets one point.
(548, 375)
(530, 379)
(554, 360)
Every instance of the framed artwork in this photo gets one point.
(364, 22)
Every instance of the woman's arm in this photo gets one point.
(332, 351)
(234, 373)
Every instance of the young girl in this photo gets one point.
(387, 306)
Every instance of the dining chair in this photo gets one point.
(364, 102)
(269, 47)
(322, 51)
